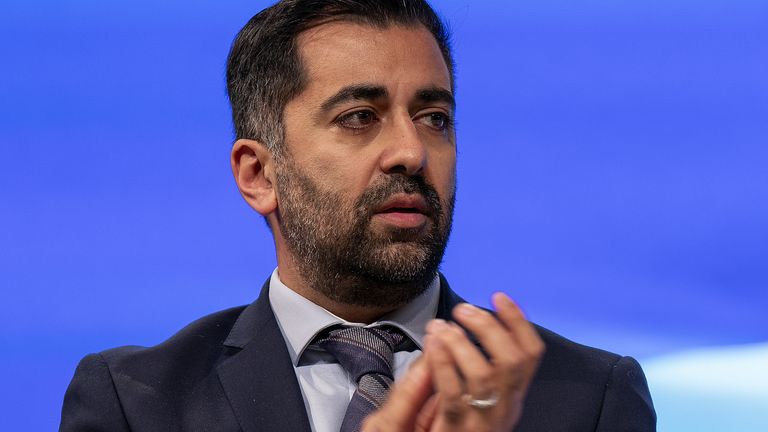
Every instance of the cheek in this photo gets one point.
(444, 173)
(347, 174)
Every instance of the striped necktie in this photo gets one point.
(367, 354)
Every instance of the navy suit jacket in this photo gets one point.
(230, 371)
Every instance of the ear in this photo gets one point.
(255, 176)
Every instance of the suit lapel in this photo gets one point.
(448, 300)
(259, 379)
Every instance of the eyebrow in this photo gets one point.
(354, 92)
(374, 92)
(436, 94)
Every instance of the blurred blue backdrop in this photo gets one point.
(612, 178)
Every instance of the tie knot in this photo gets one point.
(362, 350)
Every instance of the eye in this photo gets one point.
(357, 120)
(437, 120)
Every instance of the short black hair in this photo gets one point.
(264, 69)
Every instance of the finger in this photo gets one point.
(494, 337)
(514, 319)
(477, 372)
(427, 415)
(514, 363)
(446, 380)
(405, 400)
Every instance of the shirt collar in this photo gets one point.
(300, 320)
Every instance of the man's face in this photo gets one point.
(366, 186)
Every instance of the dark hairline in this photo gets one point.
(270, 132)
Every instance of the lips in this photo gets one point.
(405, 211)
(402, 203)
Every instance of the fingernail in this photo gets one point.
(467, 309)
(436, 325)
(501, 298)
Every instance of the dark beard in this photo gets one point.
(339, 256)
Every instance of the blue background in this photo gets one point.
(612, 178)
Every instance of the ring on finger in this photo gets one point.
(482, 404)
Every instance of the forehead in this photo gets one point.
(398, 57)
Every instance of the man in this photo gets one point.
(343, 113)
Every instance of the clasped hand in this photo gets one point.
(454, 387)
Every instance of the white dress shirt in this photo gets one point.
(325, 385)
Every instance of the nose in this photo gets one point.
(404, 151)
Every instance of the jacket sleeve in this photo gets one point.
(627, 404)
(91, 403)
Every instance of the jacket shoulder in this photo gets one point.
(192, 351)
(586, 389)
(567, 359)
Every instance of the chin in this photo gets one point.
(399, 255)
(395, 232)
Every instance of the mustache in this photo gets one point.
(392, 184)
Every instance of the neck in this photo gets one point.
(350, 297)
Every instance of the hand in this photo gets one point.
(458, 372)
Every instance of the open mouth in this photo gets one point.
(401, 210)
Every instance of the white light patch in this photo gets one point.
(715, 389)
